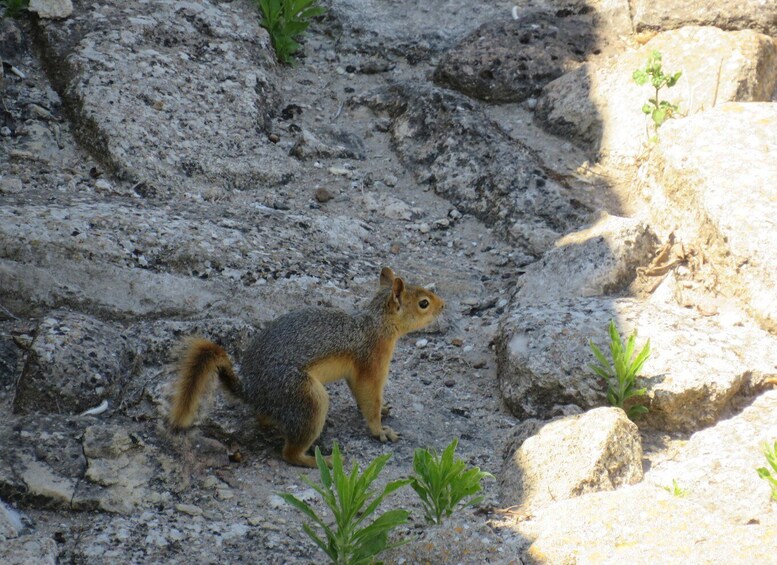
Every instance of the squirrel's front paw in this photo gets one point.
(387, 434)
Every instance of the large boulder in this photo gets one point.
(599, 260)
(595, 451)
(642, 524)
(716, 467)
(121, 260)
(467, 158)
(726, 14)
(698, 364)
(599, 106)
(29, 549)
(74, 363)
(54, 9)
(721, 197)
(510, 60)
(157, 129)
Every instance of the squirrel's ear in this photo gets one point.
(386, 277)
(397, 288)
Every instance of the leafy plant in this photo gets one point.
(621, 373)
(658, 110)
(348, 541)
(14, 8)
(771, 476)
(444, 482)
(285, 20)
(676, 490)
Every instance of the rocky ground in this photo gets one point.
(163, 176)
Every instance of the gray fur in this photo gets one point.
(273, 369)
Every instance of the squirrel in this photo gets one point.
(286, 366)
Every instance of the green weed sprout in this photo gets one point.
(621, 373)
(444, 482)
(14, 8)
(285, 20)
(676, 490)
(658, 110)
(348, 540)
(770, 475)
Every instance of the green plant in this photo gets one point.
(770, 476)
(14, 8)
(658, 110)
(285, 20)
(621, 373)
(444, 482)
(676, 490)
(347, 541)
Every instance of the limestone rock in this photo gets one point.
(725, 14)
(117, 460)
(639, 523)
(75, 363)
(42, 460)
(157, 130)
(125, 261)
(721, 197)
(468, 159)
(413, 35)
(716, 467)
(336, 144)
(590, 452)
(51, 9)
(510, 60)
(45, 486)
(10, 522)
(29, 549)
(697, 366)
(599, 260)
(599, 105)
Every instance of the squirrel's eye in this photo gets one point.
(424, 304)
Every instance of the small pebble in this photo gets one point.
(421, 343)
(424, 228)
(189, 509)
(449, 383)
(274, 137)
(457, 342)
(102, 184)
(323, 195)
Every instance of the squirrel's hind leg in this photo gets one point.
(307, 424)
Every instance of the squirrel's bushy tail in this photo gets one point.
(200, 361)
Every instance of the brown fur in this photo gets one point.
(200, 361)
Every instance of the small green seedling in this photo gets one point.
(348, 540)
(286, 20)
(621, 373)
(675, 490)
(444, 482)
(14, 8)
(658, 110)
(770, 475)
